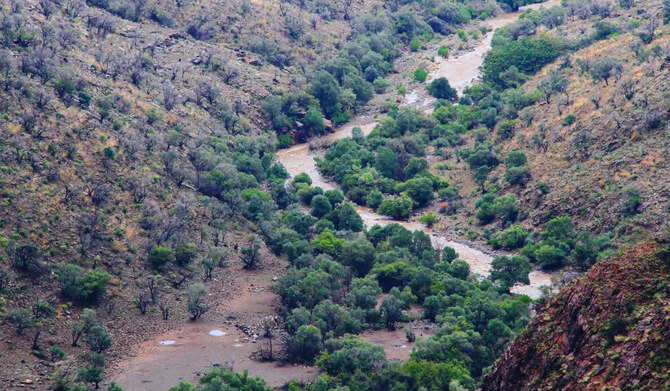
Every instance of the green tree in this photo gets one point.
(306, 344)
(397, 207)
(551, 256)
(420, 75)
(449, 254)
(359, 255)
(459, 269)
(313, 121)
(185, 253)
(98, 339)
(508, 270)
(386, 162)
(481, 175)
(196, 296)
(420, 190)
(374, 199)
(87, 319)
(513, 237)
(391, 309)
(320, 206)
(160, 256)
(325, 89)
(441, 89)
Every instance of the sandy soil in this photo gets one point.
(187, 353)
(395, 342)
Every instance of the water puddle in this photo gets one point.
(167, 343)
(217, 333)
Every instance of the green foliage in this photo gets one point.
(160, 256)
(443, 52)
(517, 175)
(397, 207)
(429, 219)
(82, 286)
(420, 75)
(569, 120)
(528, 55)
(222, 379)
(196, 300)
(305, 344)
(491, 208)
(391, 309)
(320, 206)
(441, 89)
(415, 45)
(349, 355)
(513, 237)
(515, 159)
(98, 339)
(57, 353)
(507, 271)
(184, 253)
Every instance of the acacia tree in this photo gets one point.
(195, 302)
(251, 255)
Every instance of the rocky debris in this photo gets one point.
(608, 330)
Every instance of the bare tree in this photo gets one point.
(142, 301)
(628, 88)
(90, 231)
(169, 96)
(595, 98)
(73, 7)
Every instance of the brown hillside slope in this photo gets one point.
(608, 331)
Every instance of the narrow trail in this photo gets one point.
(461, 71)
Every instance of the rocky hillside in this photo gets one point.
(607, 331)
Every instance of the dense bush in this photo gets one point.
(82, 286)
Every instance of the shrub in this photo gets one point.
(391, 309)
(380, 85)
(98, 339)
(420, 75)
(196, 295)
(508, 271)
(374, 199)
(56, 353)
(517, 175)
(569, 120)
(320, 206)
(440, 89)
(429, 219)
(528, 55)
(160, 256)
(306, 344)
(449, 254)
(185, 253)
(443, 52)
(550, 256)
(415, 45)
(515, 159)
(513, 237)
(397, 207)
(81, 286)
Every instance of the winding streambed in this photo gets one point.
(182, 354)
(461, 72)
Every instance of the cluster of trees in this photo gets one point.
(559, 244)
(352, 78)
(389, 161)
(332, 292)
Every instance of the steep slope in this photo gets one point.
(608, 331)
